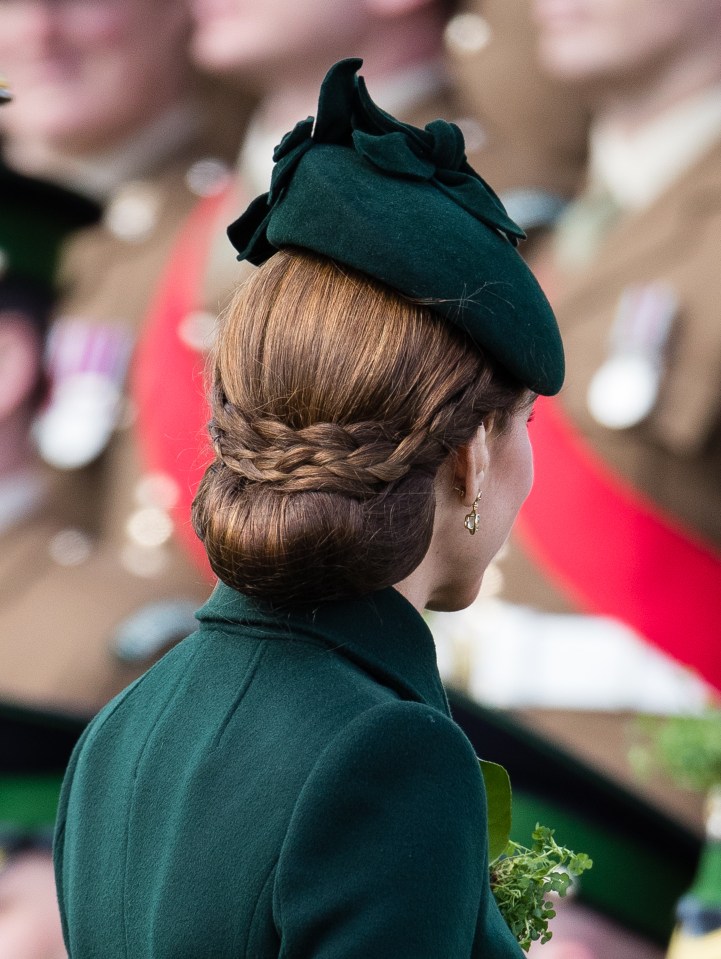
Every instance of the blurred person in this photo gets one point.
(106, 102)
(34, 750)
(531, 129)
(73, 629)
(52, 571)
(34, 219)
(619, 545)
(620, 541)
(70, 59)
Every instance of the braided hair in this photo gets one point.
(334, 403)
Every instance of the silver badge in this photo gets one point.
(625, 388)
(87, 364)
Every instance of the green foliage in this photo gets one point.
(523, 878)
(686, 748)
(498, 796)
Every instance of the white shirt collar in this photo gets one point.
(635, 168)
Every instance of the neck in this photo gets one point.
(99, 174)
(416, 589)
(634, 102)
(60, 158)
(397, 47)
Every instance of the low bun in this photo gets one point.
(334, 402)
(311, 547)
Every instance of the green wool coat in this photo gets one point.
(280, 785)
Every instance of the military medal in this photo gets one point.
(87, 364)
(624, 390)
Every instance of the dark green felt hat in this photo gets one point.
(403, 206)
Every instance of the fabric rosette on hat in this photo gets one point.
(403, 206)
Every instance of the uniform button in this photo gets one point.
(467, 33)
(70, 547)
(133, 213)
(197, 330)
(143, 562)
(207, 177)
(157, 489)
(149, 527)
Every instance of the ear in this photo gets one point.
(470, 465)
(20, 362)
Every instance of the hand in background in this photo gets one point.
(29, 916)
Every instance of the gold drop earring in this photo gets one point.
(472, 520)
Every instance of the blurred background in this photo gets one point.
(590, 664)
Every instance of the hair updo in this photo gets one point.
(334, 402)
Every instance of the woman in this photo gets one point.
(288, 781)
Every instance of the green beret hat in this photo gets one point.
(403, 206)
(35, 217)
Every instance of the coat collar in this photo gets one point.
(382, 633)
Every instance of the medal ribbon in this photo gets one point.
(168, 375)
(613, 552)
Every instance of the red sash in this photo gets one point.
(168, 376)
(612, 551)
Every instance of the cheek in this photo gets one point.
(105, 43)
(99, 23)
(527, 469)
(516, 466)
(587, 37)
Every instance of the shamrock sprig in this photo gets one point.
(523, 878)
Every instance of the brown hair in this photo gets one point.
(334, 403)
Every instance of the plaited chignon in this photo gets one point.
(325, 464)
(356, 459)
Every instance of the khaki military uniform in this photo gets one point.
(74, 631)
(527, 133)
(75, 627)
(674, 455)
(671, 457)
